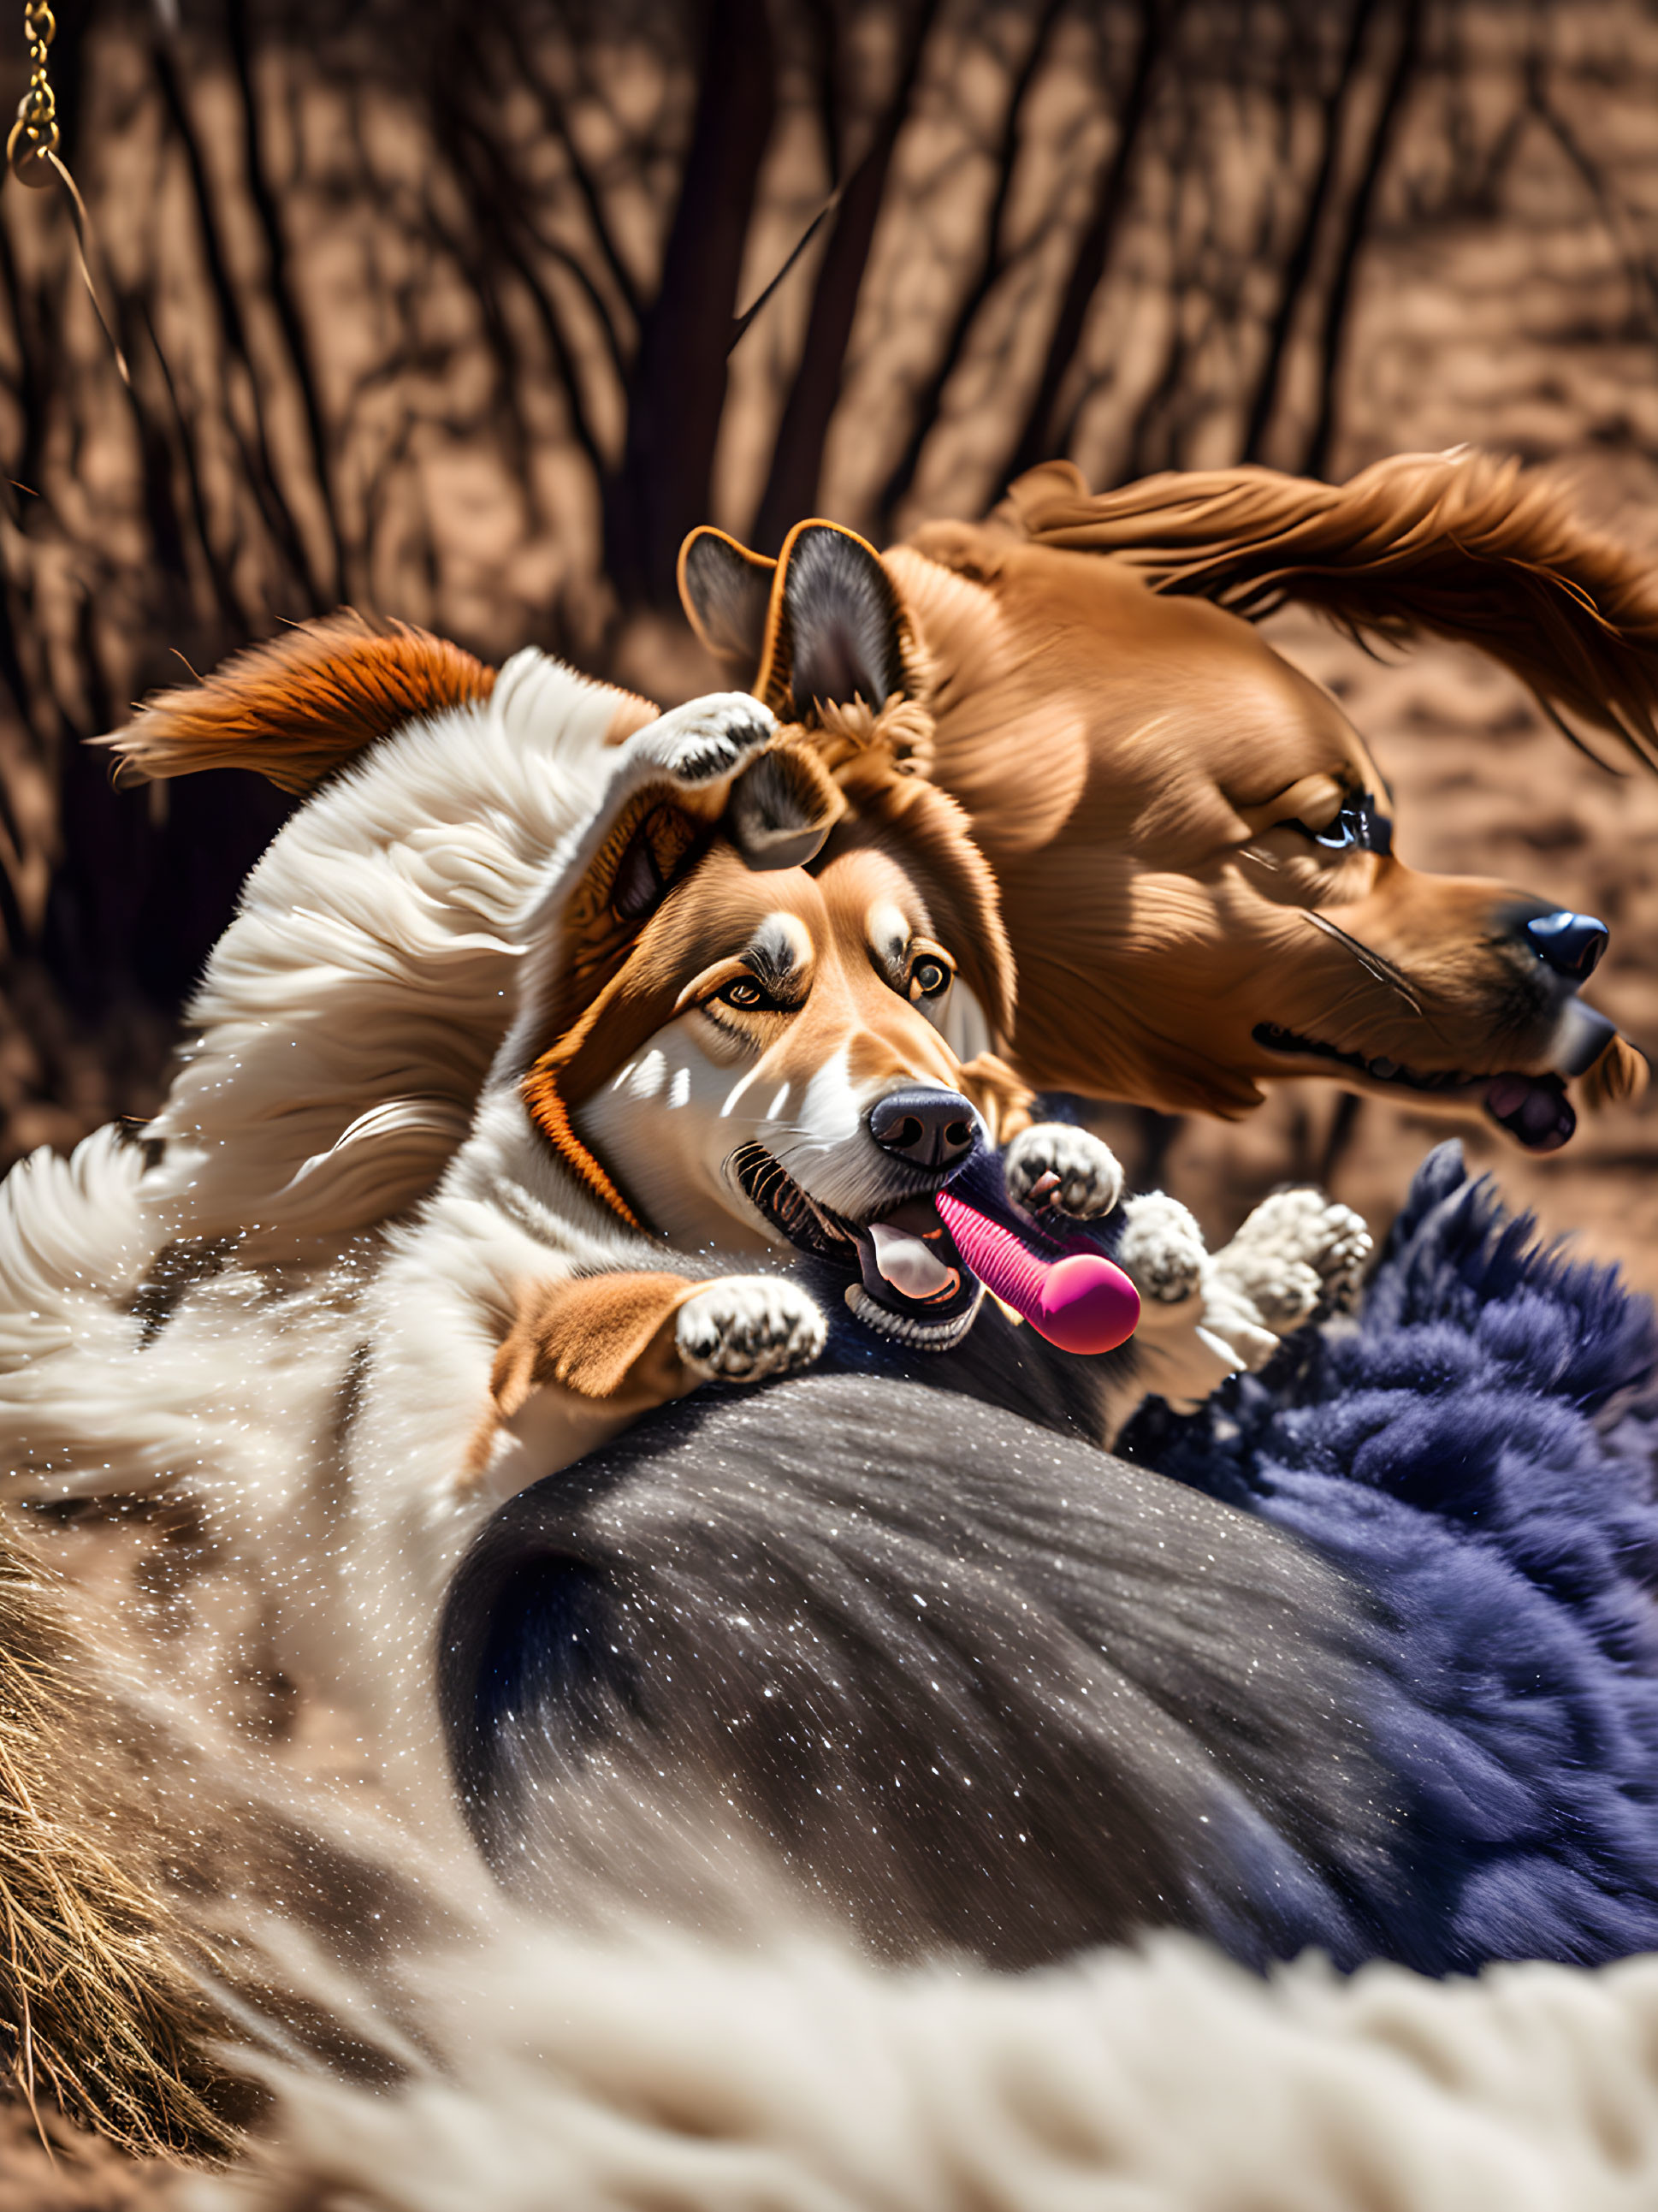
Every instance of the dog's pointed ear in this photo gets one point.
(726, 591)
(835, 631)
(783, 809)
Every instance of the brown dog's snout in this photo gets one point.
(1571, 944)
(929, 1128)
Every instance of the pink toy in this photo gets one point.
(1081, 1302)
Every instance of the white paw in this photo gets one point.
(1298, 1253)
(1231, 1320)
(1162, 1252)
(745, 1326)
(1053, 1166)
(708, 739)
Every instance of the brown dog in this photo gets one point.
(1193, 845)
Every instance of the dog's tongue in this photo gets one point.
(1080, 1302)
(1533, 1108)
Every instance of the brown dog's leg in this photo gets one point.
(602, 1336)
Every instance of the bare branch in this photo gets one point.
(1157, 18)
(1298, 266)
(1333, 333)
(993, 266)
(797, 458)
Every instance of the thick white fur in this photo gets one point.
(556, 2070)
(317, 1391)
(350, 1011)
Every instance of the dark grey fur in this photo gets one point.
(973, 1683)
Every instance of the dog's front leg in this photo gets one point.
(630, 1342)
(1298, 1254)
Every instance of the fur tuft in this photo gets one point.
(294, 708)
(558, 2070)
(100, 2014)
(1619, 1075)
(1463, 543)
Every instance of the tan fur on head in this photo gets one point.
(297, 706)
(1463, 543)
(924, 825)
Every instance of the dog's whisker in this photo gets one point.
(1373, 963)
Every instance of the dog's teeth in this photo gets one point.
(906, 1263)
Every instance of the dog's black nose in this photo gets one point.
(932, 1128)
(1571, 943)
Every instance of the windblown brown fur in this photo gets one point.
(298, 705)
(1466, 544)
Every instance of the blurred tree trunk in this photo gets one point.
(434, 308)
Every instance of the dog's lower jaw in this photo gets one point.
(925, 1335)
(1533, 1109)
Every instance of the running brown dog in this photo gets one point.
(1193, 846)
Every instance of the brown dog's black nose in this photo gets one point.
(931, 1128)
(1571, 944)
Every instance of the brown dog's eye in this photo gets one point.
(1358, 828)
(742, 991)
(927, 978)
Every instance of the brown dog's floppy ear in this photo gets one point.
(782, 808)
(298, 705)
(1461, 543)
(726, 591)
(835, 629)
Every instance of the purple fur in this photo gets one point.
(1478, 1448)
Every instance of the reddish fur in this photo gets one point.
(297, 706)
(1464, 543)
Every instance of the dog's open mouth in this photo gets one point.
(922, 1267)
(1534, 1108)
(911, 1283)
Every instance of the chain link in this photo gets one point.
(33, 140)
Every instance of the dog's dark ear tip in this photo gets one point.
(768, 850)
(725, 590)
(783, 809)
(838, 629)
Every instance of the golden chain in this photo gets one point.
(32, 157)
(34, 142)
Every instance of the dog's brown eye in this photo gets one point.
(742, 991)
(928, 977)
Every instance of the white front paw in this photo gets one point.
(745, 1326)
(708, 739)
(1162, 1252)
(1052, 1167)
(1297, 1252)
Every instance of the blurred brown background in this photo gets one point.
(428, 306)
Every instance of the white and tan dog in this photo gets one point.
(723, 971)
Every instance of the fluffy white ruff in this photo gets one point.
(221, 1404)
(350, 1011)
(556, 2070)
